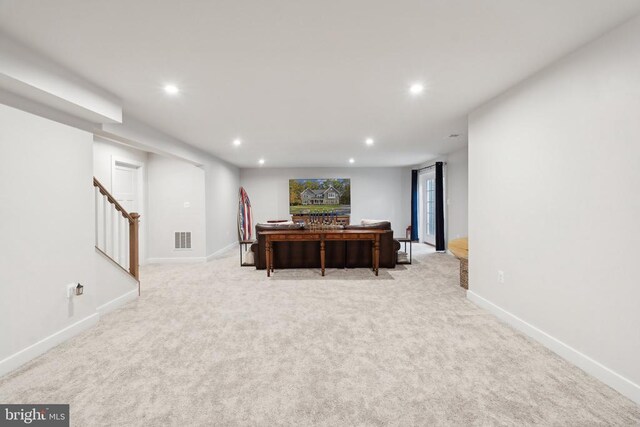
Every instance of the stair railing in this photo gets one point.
(116, 231)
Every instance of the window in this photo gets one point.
(331, 195)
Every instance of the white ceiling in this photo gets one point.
(304, 82)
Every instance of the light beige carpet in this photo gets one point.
(217, 344)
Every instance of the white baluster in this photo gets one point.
(112, 219)
(123, 240)
(126, 245)
(96, 195)
(125, 248)
(119, 234)
(105, 205)
(100, 223)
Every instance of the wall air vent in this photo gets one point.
(183, 240)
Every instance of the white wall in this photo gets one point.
(554, 181)
(457, 183)
(222, 179)
(47, 229)
(176, 194)
(114, 286)
(222, 185)
(376, 193)
(103, 154)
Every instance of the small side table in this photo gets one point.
(243, 248)
(406, 240)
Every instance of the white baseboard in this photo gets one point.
(34, 350)
(190, 260)
(584, 362)
(117, 302)
(222, 251)
(29, 353)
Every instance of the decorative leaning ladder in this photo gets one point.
(116, 231)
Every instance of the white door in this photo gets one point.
(125, 186)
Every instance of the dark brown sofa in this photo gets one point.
(359, 252)
(339, 254)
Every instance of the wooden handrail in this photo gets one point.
(133, 218)
(112, 200)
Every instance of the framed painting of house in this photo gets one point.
(330, 195)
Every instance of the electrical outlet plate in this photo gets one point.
(500, 276)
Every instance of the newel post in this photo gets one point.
(134, 246)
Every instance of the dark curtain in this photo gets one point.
(439, 207)
(414, 205)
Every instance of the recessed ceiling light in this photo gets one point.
(171, 89)
(237, 142)
(416, 88)
(352, 160)
(261, 161)
(369, 141)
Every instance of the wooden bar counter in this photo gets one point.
(322, 236)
